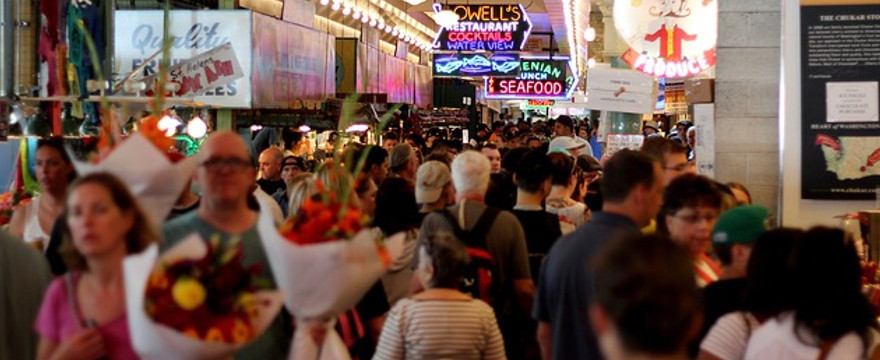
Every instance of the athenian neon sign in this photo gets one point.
(454, 65)
(485, 28)
(539, 78)
(668, 38)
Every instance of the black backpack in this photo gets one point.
(479, 276)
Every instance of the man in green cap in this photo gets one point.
(733, 237)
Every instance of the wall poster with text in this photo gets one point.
(840, 71)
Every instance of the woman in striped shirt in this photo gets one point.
(691, 205)
(441, 322)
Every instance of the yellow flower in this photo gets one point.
(248, 304)
(188, 293)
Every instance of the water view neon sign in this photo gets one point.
(540, 78)
(498, 65)
(485, 28)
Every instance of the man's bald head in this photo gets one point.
(227, 173)
(270, 163)
(225, 142)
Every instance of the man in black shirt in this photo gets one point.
(532, 178)
(270, 168)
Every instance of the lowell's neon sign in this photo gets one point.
(540, 78)
(485, 28)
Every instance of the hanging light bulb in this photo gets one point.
(335, 6)
(168, 124)
(395, 31)
(325, 2)
(356, 15)
(196, 128)
(445, 18)
(591, 63)
(590, 34)
(346, 10)
(304, 128)
(373, 22)
(365, 19)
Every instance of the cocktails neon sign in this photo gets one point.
(668, 38)
(498, 65)
(540, 78)
(485, 28)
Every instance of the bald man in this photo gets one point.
(270, 168)
(226, 177)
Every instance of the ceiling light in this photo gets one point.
(591, 63)
(196, 128)
(168, 124)
(346, 11)
(304, 128)
(590, 34)
(373, 22)
(325, 2)
(365, 19)
(445, 18)
(335, 6)
(356, 15)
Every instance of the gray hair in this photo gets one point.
(470, 172)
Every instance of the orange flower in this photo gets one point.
(159, 280)
(192, 333)
(241, 332)
(214, 335)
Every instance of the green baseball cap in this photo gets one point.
(741, 225)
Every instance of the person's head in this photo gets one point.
(376, 164)
(415, 140)
(491, 151)
(396, 208)
(533, 173)
(584, 132)
(103, 221)
(567, 144)
(682, 126)
(303, 187)
(768, 274)
(270, 163)
(634, 181)
(691, 205)
(442, 151)
(366, 191)
(563, 169)
(292, 167)
(291, 137)
(648, 130)
(826, 287)
(735, 233)
(564, 126)
(534, 142)
(52, 166)
(403, 160)
(442, 261)
(646, 299)
(470, 174)
(226, 174)
(389, 141)
(434, 184)
(692, 137)
(671, 154)
(510, 160)
(589, 172)
(742, 195)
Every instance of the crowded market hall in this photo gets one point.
(415, 179)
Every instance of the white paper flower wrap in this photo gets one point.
(154, 341)
(151, 177)
(320, 281)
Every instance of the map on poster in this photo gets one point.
(851, 157)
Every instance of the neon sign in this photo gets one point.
(541, 103)
(485, 28)
(498, 65)
(668, 38)
(540, 78)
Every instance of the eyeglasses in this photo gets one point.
(694, 218)
(216, 164)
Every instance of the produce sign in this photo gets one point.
(498, 65)
(668, 38)
(485, 28)
(539, 78)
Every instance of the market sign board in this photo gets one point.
(455, 65)
(139, 35)
(494, 28)
(668, 38)
(210, 70)
(618, 90)
(540, 78)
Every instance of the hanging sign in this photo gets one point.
(209, 70)
(485, 28)
(498, 65)
(539, 78)
(668, 38)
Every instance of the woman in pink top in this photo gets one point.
(83, 312)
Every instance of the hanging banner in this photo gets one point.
(459, 65)
(668, 38)
(485, 28)
(840, 143)
(539, 78)
(291, 63)
(138, 35)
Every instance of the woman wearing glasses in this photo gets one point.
(691, 206)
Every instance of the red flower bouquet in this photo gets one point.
(8, 202)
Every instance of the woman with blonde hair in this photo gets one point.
(83, 312)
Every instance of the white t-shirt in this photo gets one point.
(776, 339)
(729, 336)
(570, 217)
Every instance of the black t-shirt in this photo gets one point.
(542, 230)
(271, 186)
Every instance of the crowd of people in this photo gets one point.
(526, 243)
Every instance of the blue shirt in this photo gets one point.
(596, 147)
(565, 286)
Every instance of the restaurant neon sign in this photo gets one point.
(498, 65)
(540, 78)
(485, 28)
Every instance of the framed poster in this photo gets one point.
(840, 128)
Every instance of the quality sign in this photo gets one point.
(485, 28)
(539, 78)
(498, 65)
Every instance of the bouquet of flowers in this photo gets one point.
(8, 202)
(196, 301)
(325, 260)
